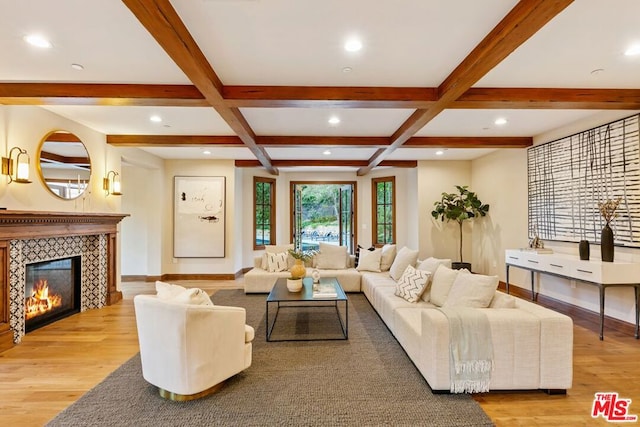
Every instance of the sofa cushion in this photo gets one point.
(370, 260)
(277, 262)
(387, 257)
(441, 284)
(404, 258)
(502, 300)
(471, 290)
(358, 249)
(331, 256)
(412, 284)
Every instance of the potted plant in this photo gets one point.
(298, 270)
(459, 207)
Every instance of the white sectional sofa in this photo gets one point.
(532, 345)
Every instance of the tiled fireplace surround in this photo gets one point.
(33, 236)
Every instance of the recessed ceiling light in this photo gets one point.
(38, 41)
(633, 50)
(155, 119)
(334, 120)
(206, 152)
(597, 71)
(347, 69)
(500, 121)
(353, 45)
(439, 153)
(78, 67)
(326, 152)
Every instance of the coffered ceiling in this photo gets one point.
(258, 80)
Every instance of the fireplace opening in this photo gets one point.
(52, 291)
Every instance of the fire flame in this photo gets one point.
(40, 301)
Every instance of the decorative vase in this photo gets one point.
(606, 243)
(583, 249)
(294, 285)
(298, 271)
(316, 275)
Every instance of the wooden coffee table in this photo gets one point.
(282, 299)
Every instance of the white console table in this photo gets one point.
(592, 272)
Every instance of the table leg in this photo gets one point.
(602, 289)
(637, 295)
(533, 294)
(507, 284)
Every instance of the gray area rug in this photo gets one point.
(367, 380)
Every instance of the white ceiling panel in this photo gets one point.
(317, 153)
(284, 42)
(103, 36)
(588, 35)
(136, 120)
(314, 121)
(430, 154)
(197, 153)
(481, 122)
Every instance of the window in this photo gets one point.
(383, 196)
(264, 201)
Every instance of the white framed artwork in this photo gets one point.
(199, 217)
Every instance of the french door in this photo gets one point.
(323, 212)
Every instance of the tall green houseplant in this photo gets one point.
(459, 207)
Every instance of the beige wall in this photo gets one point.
(501, 179)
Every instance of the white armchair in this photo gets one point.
(187, 350)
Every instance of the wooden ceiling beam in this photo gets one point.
(101, 94)
(324, 96)
(522, 22)
(164, 24)
(468, 142)
(173, 141)
(326, 163)
(549, 98)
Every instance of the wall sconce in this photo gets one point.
(19, 173)
(111, 183)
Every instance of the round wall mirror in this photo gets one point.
(64, 164)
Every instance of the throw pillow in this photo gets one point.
(388, 255)
(276, 249)
(331, 257)
(194, 296)
(431, 264)
(168, 291)
(358, 249)
(472, 290)
(441, 283)
(502, 300)
(277, 262)
(412, 284)
(370, 260)
(405, 257)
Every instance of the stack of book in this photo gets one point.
(324, 290)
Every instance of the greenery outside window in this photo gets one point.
(383, 196)
(264, 202)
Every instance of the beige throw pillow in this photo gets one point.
(167, 291)
(471, 290)
(405, 257)
(369, 260)
(388, 255)
(431, 264)
(276, 249)
(502, 300)
(194, 296)
(441, 284)
(331, 257)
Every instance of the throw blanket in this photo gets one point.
(470, 349)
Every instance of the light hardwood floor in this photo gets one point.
(55, 365)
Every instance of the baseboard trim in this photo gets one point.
(581, 316)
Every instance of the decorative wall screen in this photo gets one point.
(568, 178)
